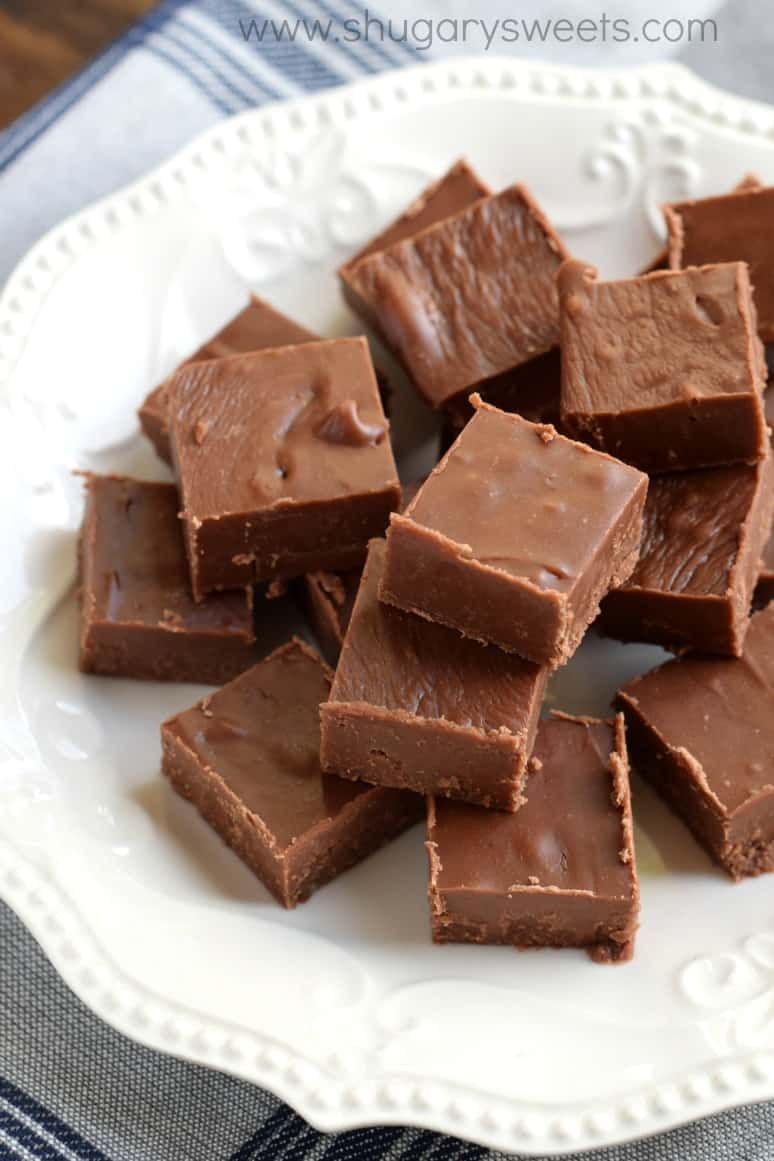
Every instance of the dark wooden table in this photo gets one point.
(43, 41)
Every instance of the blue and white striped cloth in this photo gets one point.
(72, 1089)
(182, 69)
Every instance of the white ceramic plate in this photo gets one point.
(344, 1008)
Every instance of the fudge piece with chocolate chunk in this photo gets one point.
(283, 460)
(257, 327)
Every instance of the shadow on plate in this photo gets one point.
(220, 873)
(382, 898)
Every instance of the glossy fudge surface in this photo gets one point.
(664, 371)
(699, 560)
(257, 327)
(457, 189)
(248, 759)
(469, 298)
(730, 228)
(283, 460)
(701, 730)
(415, 705)
(560, 872)
(516, 536)
(138, 617)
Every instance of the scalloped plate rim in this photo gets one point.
(54, 920)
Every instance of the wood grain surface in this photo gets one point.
(42, 42)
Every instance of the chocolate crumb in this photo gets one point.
(276, 588)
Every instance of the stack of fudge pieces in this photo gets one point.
(606, 460)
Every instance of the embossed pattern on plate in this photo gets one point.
(343, 1008)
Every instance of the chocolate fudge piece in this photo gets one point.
(516, 536)
(664, 371)
(247, 757)
(660, 261)
(701, 730)
(764, 591)
(469, 298)
(328, 598)
(137, 615)
(257, 327)
(459, 188)
(561, 871)
(283, 461)
(731, 228)
(416, 706)
(693, 584)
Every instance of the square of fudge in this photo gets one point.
(416, 706)
(283, 461)
(516, 536)
(247, 757)
(257, 327)
(138, 617)
(457, 189)
(693, 584)
(561, 871)
(733, 227)
(469, 298)
(701, 731)
(664, 371)
(660, 261)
